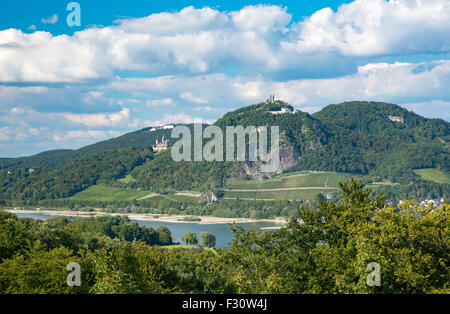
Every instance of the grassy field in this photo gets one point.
(108, 193)
(180, 246)
(433, 174)
(329, 179)
(127, 179)
(186, 246)
(318, 182)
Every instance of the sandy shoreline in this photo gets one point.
(151, 217)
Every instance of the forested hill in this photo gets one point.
(141, 139)
(378, 140)
(382, 142)
(381, 139)
(384, 119)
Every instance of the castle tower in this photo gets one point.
(163, 145)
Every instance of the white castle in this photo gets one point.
(160, 146)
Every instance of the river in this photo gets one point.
(222, 231)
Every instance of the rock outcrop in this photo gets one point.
(207, 198)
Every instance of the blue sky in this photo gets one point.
(21, 14)
(133, 64)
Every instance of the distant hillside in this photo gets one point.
(28, 186)
(141, 139)
(49, 158)
(382, 119)
(378, 142)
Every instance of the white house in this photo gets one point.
(282, 110)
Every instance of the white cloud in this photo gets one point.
(396, 82)
(261, 18)
(50, 20)
(89, 134)
(82, 137)
(5, 134)
(160, 102)
(99, 119)
(377, 27)
(40, 57)
(204, 108)
(34, 131)
(32, 27)
(260, 38)
(17, 111)
(192, 98)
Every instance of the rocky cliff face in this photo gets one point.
(207, 198)
(288, 157)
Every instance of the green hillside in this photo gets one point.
(435, 175)
(107, 193)
(143, 139)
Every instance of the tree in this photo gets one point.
(190, 238)
(164, 235)
(37, 272)
(208, 239)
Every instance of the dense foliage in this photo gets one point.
(327, 251)
(29, 185)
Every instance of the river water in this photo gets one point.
(223, 232)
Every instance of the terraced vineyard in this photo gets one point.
(305, 185)
(108, 193)
(307, 194)
(435, 175)
(298, 186)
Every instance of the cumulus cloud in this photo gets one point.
(377, 27)
(41, 57)
(50, 20)
(260, 38)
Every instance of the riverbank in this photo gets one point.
(205, 220)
